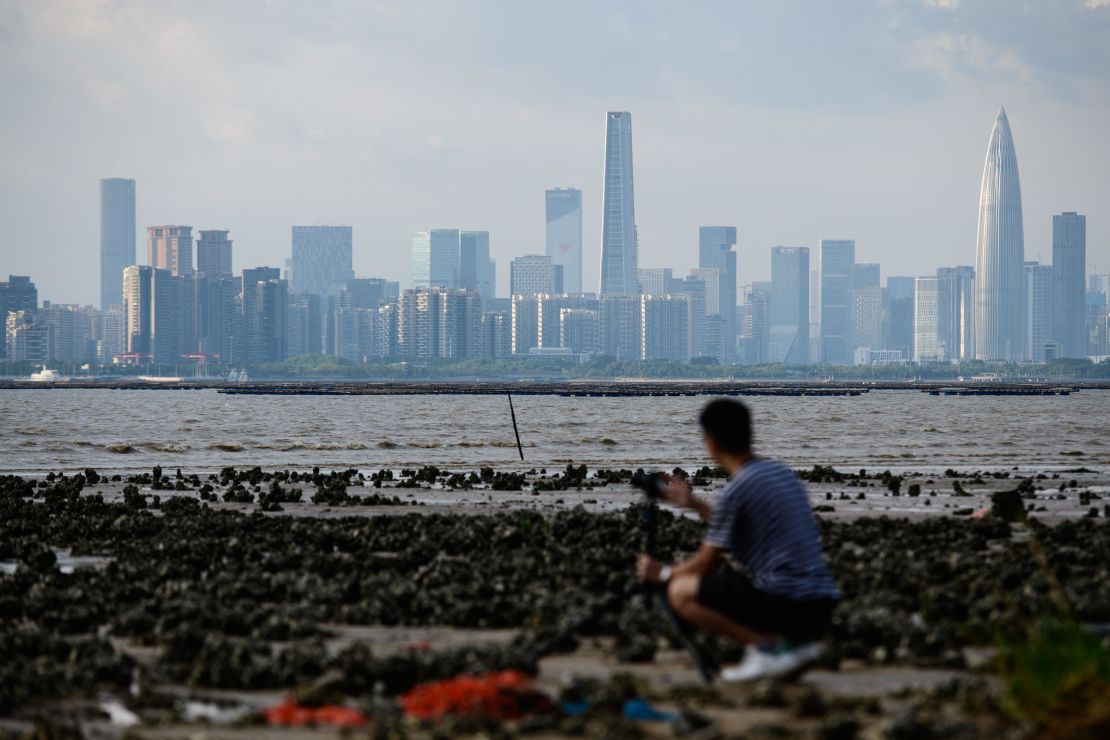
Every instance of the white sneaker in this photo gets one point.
(769, 661)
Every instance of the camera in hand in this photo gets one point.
(652, 484)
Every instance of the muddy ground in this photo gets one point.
(183, 605)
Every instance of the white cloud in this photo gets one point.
(957, 56)
(944, 4)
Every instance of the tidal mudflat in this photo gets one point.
(165, 603)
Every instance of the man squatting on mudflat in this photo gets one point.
(764, 520)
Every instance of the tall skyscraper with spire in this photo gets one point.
(1000, 253)
(618, 235)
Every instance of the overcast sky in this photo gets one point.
(794, 121)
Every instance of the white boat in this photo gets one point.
(46, 375)
(160, 379)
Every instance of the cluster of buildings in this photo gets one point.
(186, 305)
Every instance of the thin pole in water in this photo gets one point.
(515, 431)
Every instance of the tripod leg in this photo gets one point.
(706, 666)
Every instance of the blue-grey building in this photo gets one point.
(1039, 305)
(1069, 269)
(435, 259)
(838, 258)
(117, 237)
(619, 244)
(475, 266)
(564, 234)
(789, 311)
(715, 250)
(323, 259)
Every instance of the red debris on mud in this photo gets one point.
(293, 714)
(502, 695)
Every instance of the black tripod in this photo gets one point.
(655, 592)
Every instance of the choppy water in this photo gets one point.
(201, 430)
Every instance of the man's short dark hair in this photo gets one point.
(729, 423)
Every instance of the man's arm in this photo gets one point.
(700, 563)
(680, 493)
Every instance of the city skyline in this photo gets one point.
(767, 153)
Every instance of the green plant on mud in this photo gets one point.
(1058, 679)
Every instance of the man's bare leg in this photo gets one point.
(682, 593)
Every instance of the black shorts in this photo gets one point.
(734, 596)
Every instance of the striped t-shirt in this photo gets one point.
(763, 517)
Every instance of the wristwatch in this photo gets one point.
(665, 574)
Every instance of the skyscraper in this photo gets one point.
(531, 274)
(926, 337)
(838, 259)
(117, 237)
(475, 267)
(18, 293)
(322, 259)
(655, 280)
(789, 342)
(1039, 305)
(715, 245)
(1000, 253)
(564, 234)
(170, 248)
(898, 315)
(1069, 268)
(956, 312)
(435, 258)
(664, 327)
(214, 254)
(619, 243)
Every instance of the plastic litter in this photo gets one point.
(293, 714)
(641, 711)
(501, 695)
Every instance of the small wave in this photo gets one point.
(930, 429)
(164, 447)
(226, 446)
(28, 443)
(426, 445)
(500, 443)
(608, 441)
(120, 448)
(338, 446)
(385, 444)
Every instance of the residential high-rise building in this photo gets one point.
(619, 241)
(549, 315)
(497, 334)
(217, 317)
(117, 237)
(1069, 269)
(715, 250)
(1000, 253)
(532, 274)
(578, 330)
(815, 316)
(170, 248)
(838, 258)
(926, 336)
(435, 258)
(438, 323)
(304, 325)
(323, 259)
(898, 316)
(161, 314)
(694, 289)
(664, 325)
(867, 323)
(214, 254)
(18, 293)
(564, 234)
(475, 267)
(525, 323)
(26, 337)
(138, 291)
(789, 313)
(260, 323)
(619, 325)
(1039, 306)
(956, 313)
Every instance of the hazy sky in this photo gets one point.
(794, 121)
